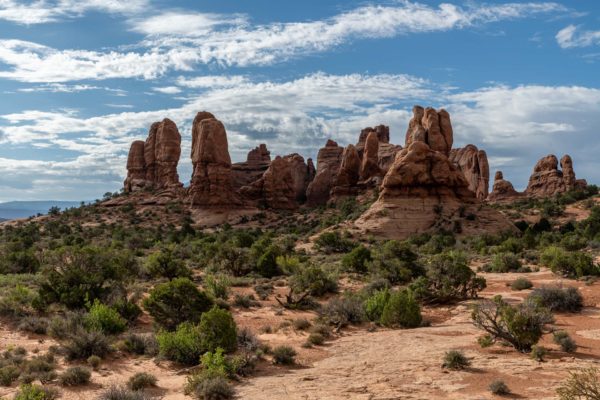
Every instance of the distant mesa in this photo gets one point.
(425, 185)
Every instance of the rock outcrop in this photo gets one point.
(474, 165)
(348, 174)
(425, 191)
(370, 162)
(257, 162)
(329, 160)
(211, 183)
(547, 180)
(503, 190)
(302, 174)
(153, 164)
(275, 189)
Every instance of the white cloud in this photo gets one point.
(62, 88)
(573, 36)
(212, 81)
(168, 48)
(44, 11)
(167, 89)
(184, 23)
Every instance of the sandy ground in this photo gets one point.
(379, 365)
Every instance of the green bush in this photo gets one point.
(217, 329)
(566, 343)
(164, 263)
(569, 264)
(9, 374)
(284, 355)
(448, 279)
(175, 302)
(75, 376)
(316, 339)
(83, 344)
(396, 262)
(314, 280)
(538, 353)
(333, 242)
(344, 310)
(357, 260)
(455, 360)
(35, 392)
(141, 380)
(375, 304)
(18, 301)
(521, 284)
(559, 299)
(521, 326)
(183, 346)
(123, 393)
(33, 324)
(401, 310)
(94, 361)
(266, 264)
(504, 262)
(213, 388)
(217, 286)
(105, 319)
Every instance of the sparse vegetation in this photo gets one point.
(455, 360)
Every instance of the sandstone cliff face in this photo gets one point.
(153, 164)
(211, 183)
(257, 162)
(329, 160)
(370, 162)
(348, 174)
(302, 174)
(275, 189)
(474, 165)
(424, 190)
(547, 180)
(503, 190)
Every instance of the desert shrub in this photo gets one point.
(401, 310)
(396, 262)
(35, 392)
(570, 264)
(512, 244)
(448, 278)
(141, 344)
(357, 260)
(521, 284)
(62, 326)
(217, 286)
(301, 324)
(9, 374)
(284, 355)
(266, 265)
(184, 345)
(375, 304)
(20, 262)
(247, 341)
(83, 344)
(94, 361)
(504, 262)
(314, 280)
(122, 393)
(213, 388)
(566, 343)
(521, 326)
(438, 242)
(485, 341)
(33, 324)
(75, 276)
(344, 310)
(538, 353)
(218, 329)
(211, 382)
(127, 309)
(164, 263)
(556, 298)
(581, 385)
(75, 376)
(141, 380)
(316, 339)
(572, 241)
(105, 319)
(456, 360)
(333, 242)
(245, 301)
(177, 301)
(263, 290)
(18, 301)
(499, 388)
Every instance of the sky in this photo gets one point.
(81, 79)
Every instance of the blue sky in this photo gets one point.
(81, 79)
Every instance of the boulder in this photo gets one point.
(329, 160)
(211, 183)
(503, 190)
(474, 165)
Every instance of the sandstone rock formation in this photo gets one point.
(547, 180)
(474, 165)
(432, 127)
(370, 161)
(329, 160)
(257, 162)
(503, 191)
(425, 191)
(302, 174)
(382, 132)
(211, 183)
(275, 189)
(348, 174)
(153, 164)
